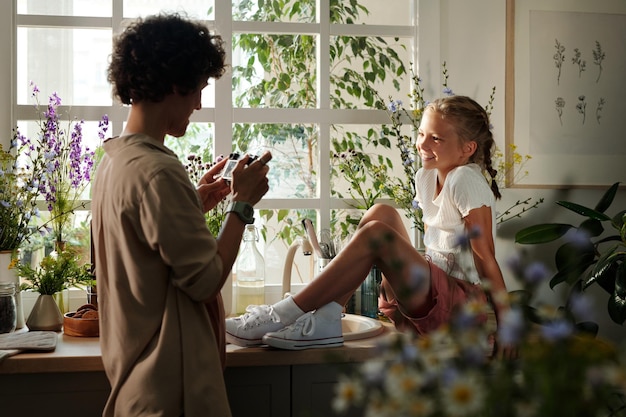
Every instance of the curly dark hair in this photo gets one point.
(155, 55)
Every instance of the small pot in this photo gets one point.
(45, 315)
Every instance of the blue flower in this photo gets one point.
(557, 330)
(511, 328)
(394, 105)
(536, 273)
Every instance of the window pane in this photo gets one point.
(198, 141)
(100, 8)
(292, 11)
(197, 9)
(295, 163)
(384, 62)
(376, 12)
(70, 62)
(277, 71)
(281, 229)
(370, 163)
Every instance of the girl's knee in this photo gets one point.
(381, 212)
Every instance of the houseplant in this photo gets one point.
(56, 272)
(587, 256)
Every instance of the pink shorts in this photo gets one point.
(448, 293)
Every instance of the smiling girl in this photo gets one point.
(418, 293)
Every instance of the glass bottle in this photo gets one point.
(250, 272)
(8, 310)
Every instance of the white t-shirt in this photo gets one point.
(465, 189)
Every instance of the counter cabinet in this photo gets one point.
(261, 382)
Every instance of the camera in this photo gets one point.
(233, 158)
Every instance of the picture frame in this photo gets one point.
(564, 99)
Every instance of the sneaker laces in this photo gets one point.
(305, 324)
(255, 314)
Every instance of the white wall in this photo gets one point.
(6, 65)
(470, 37)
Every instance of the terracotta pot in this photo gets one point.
(45, 315)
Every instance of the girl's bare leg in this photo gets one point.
(381, 239)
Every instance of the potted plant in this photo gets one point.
(56, 272)
(587, 256)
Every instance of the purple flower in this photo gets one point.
(536, 273)
(557, 330)
(448, 92)
(394, 105)
(511, 328)
(582, 307)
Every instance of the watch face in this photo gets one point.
(248, 210)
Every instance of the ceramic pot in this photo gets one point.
(10, 275)
(45, 315)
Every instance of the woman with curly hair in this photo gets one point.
(158, 267)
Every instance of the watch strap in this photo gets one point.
(243, 210)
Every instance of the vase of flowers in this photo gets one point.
(61, 161)
(55, 273)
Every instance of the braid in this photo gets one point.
(492, 172)
(472, 124)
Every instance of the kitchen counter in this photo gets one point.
(82, 354)
(70, 380)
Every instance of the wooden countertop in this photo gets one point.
(82, 354)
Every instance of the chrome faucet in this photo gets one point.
(307, 250)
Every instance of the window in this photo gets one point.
(64, 45)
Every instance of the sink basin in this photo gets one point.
(359, 327)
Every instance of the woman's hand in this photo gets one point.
(213, 190)
(250, 182)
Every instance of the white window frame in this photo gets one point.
(223, 116)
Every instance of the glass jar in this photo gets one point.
(8, 309)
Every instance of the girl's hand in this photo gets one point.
(506, 352)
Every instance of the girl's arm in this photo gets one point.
(483, 249)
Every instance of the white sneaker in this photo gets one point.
(249, 328)
(319, 329)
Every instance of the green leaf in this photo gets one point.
(542, 233)
(603, 265)
(570, 273)
(584, 211)
(607, 198)
(588, 327)
(592, 227)
(617, 302)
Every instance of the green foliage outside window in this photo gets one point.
(288, 79)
